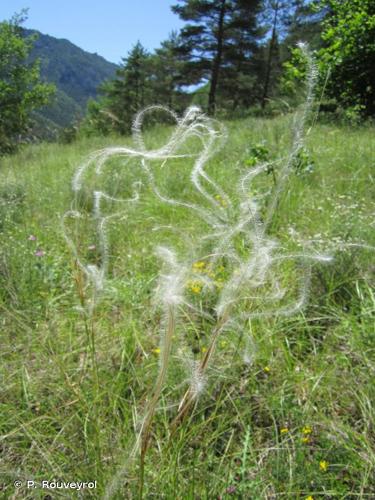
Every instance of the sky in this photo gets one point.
(108, 27)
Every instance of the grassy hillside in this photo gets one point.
(287, 407)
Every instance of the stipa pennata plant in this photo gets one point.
(235, 264)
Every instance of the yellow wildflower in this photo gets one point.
(267, 369)
(306, 429)
(309, 498)
(223, 343)
(323, 465)
(305, 440)
(199, 265)
(156, 350)
(195, 288)
(204, 349)
(284, 430)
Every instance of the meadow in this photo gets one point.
(286, 410)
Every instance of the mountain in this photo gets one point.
(76, 73)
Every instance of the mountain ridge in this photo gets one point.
(76, 73)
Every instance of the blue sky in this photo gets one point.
(108, 27)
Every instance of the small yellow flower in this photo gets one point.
(223, 343)
(305, 440)
(323, 465)
(222, 202)
(195, 286)
(306, 429)
(156, 350)
(309, 498)
(204, 349)
(267, 369)
(199, 265)
(284, 430)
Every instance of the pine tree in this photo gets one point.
(166, 74)
(240, 74)
(142, 80)
(279, 17)
(305, 24)
(130, 91)
(220, 37)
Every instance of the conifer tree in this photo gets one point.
(130, 91)
(220, 36)
(165, 76)
(281, 18)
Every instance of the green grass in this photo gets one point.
(314, 370)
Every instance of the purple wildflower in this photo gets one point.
(39, 253)
(31, 237)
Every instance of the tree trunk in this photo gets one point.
(217, 60)
(270, 56)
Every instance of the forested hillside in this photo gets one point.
(76, 73)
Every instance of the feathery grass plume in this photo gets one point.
(170, 293)
(253, 278)
(253, 286)
(172, 284)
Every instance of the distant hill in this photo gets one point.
(76, 73)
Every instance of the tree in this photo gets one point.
(129, 92)
(21, 90)
(123, 96)
(143, 79)
(220, 35)
(166, 80)
(349, 52)
(305, 25)
(276, 13)
(287, 22)
(240, 74)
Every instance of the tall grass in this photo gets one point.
(251, 289)
(84, 374)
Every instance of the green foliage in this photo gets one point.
(349, 53)
(294, 73)
(129, 91)
(259, 430)
(68, 134)
(21, 90)
(304, 24)
(126, 94)
(144, 79)
(217, 45)
(98, 120)
(258, 153)
(166, 78)
(12, 203)
(276, 15)
(303, 163)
